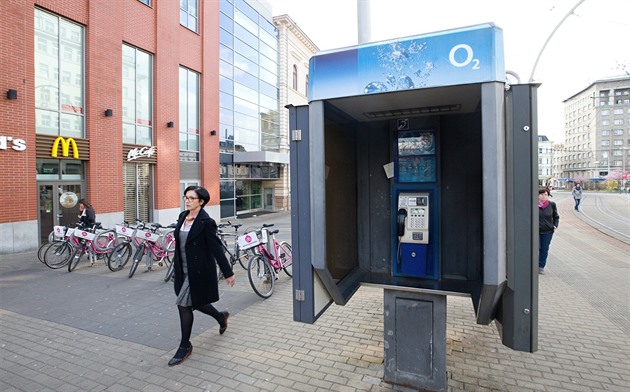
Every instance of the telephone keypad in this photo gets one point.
(416, 219)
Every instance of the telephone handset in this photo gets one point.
(400, 222)
(412, 219)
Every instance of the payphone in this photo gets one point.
(414, 191)
(458, 151)
(413, 251)
(412, 221)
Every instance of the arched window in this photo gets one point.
(295, 77)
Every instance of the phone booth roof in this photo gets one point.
(453, 57)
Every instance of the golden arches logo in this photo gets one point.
(65, 146)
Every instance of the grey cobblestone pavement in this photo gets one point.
(95, 330)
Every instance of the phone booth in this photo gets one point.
(414, 169)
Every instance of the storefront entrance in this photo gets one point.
(58, 205)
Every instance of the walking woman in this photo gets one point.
(197, 252)
(548, 220)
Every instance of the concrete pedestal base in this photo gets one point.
(415, 340)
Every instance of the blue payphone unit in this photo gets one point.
(415, 198)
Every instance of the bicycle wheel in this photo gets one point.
(119, 257)
(286, 257)
(137, 257)
(74, 259)
(170, 270)
(42, 249)
(243, 256)
(261, 276)
(58, 254)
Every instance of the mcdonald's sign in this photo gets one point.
(65, 147)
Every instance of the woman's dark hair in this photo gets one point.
(85, 203)
(201, 192)
(542, 190)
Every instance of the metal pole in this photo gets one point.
(364, 27)
(531, 77)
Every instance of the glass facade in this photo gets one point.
(137, 92)
(188, 114)
(59, 76)
(248, 114)
(137, 128)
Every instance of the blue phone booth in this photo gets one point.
(414, 169)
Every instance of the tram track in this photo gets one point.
(608, 213)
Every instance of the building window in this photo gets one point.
(295, 77)
(189, 111)
(618, 132)
(605, 143)
(188, 14)
(606, 132)
(618, 142)
(137, 179)
(306, 86)
(59, 103)
(137, 93)
(147, 2)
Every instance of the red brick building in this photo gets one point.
(115, 102)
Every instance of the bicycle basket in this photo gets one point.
(147, 235)
(59, 231)
(84, 234)
(124, 230)
(249, 240)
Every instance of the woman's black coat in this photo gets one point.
(203, 251)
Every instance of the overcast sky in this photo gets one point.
(591, 44)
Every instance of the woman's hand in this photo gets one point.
(230, 281)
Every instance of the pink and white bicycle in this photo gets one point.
(272, 256)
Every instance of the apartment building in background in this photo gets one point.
(596, 142)
(295, 50)
(545, 160)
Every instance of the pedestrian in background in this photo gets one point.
(577, 195)
(87, 216)
(548, 220)
(198, 249)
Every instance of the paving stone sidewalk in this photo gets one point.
(584, 339)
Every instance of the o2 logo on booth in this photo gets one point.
(16, 144)
(456, 59)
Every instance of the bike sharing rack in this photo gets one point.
(414, 169)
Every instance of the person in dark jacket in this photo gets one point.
(198, 249)
(548, 220)
(87, 215)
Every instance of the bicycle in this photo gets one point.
(94, 243)
(148, 244)
(58, 254)
(56, 235)
(168, 243)
(263, 268)
(236, 254)
(121, 253)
